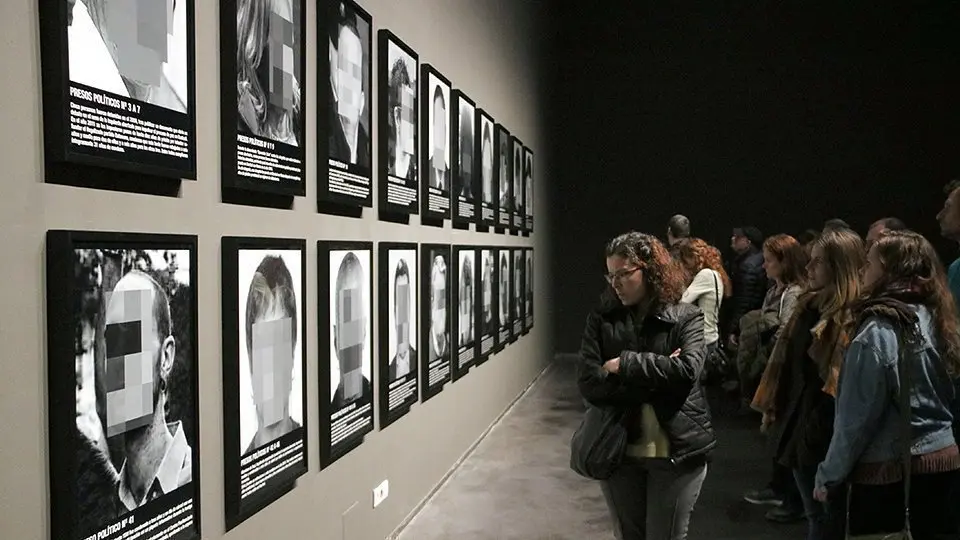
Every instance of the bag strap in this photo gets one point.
(716, 291)
(906, 431)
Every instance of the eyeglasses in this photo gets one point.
(620, 275)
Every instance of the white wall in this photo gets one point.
(486, 47)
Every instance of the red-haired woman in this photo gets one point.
(709, 284)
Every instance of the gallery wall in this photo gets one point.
(778, 117)
(491, 50)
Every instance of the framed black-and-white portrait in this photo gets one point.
(505, 304)
(118, 85)
(528, 290)
(122, 382)
(519, 214)
(463, 196)
(346, 102)
(398, 366)
(485, 155)
(436, 156)
(262, 71)
(504, 177)
(344, 274)
(486, 312)
(528, 187)
(465, 312)
(435, 318)
(518, 300)
(399, 67)
(264, 360)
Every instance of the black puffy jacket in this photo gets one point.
(750, 284)
(647, 373)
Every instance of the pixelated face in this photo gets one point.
(504, 169)
(466, 303)
(139, 31)
(438, 297)
(271, 365)
(439, 127)
(486, 160)
(517, 176)
(350, 326)
(487, 284)
(129, 370)
(504, 288)
(348, 73)
(280, 52)
(402, 309)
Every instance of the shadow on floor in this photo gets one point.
(517, 485)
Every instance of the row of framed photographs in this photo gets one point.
(120, 94)
(123, 358)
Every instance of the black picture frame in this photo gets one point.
(504, 297)
(486, 315)
(435, 188)
(528, 291)
(257, 473)
(398, 387)
(263, 152)
(464, 195)
(528, 169)
(485, 181)
(519, 214)
(464, 344)
(83, 272)
(345, 179)
(516, 292)
(504, 177)
(90, 119)
(353, 418)
(398, 83)
(435, 366)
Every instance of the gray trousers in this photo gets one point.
(652, 503)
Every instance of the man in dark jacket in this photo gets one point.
(747, 276)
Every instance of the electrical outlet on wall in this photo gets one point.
(381, 492)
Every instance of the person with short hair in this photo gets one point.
(879, 226)
(678, 228)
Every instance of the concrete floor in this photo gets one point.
(517, 484)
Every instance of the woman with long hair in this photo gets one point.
(798, 388)
(642, 352)
(908, 315)
(708, 286)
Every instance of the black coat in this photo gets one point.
(749, 281)
(648, 374)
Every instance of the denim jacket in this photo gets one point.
(867, 421)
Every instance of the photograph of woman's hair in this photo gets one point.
(269, 48)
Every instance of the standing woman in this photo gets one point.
(710, 284)
(797, 390)
(908, 300)
(643, 352)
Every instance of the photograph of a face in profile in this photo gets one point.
(487, 159)
(466, 149)
(401, 128)
(465, 299)
(350, 335)
(439, 300)
(439, 134)
(271, 400)
(518, 176)
(487, 319)
(134, 393)
(528, 182)
(518, 268)
(504, 287)
(136, 50)
(269, 47)
(349, 47)
(505, 153)
(402, 313)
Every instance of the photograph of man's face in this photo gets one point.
(506, 204)
(517, 176)
(465, 298)
(438, 307)
(528, 183)
(487, 159)
(517, 284)
(349, 58)
(439, 134)
(402, 353)
(486, 278)
(136, 49)
(504, 288)
(401, 113)
(466, 149)
(350, 324)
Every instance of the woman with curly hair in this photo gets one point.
(642, 353)
(908, 316)
(708, 286)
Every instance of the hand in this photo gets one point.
(675, 353)
(767, 421)
(612, 365)
(732, 341)
(820, 494)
